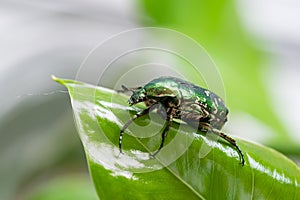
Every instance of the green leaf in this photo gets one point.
(190, 166)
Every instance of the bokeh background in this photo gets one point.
(255, 44)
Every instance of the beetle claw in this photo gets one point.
(120, 153)
(152, 156)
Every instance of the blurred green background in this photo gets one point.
(254, 44)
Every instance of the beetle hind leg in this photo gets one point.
(233, 142)
(207, 128)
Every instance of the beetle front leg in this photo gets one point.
(164, 134)
(136, 116)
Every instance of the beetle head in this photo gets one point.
(137, 96)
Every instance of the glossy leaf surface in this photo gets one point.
(190, 166)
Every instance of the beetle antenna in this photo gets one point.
(126, 89)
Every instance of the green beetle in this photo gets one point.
(179, 99)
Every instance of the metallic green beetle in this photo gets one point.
(179, 99)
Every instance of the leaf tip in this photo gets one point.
(58, 80)
(54, 77)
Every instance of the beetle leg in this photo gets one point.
(136, 116)
(164, 133)
(225, 137)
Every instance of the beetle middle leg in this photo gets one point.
(164, 133)
(136, 116)
(207, 128)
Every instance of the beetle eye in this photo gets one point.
(130, 102)
(136, 97)
(133, 99)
